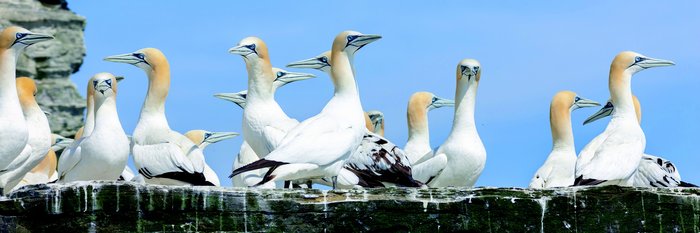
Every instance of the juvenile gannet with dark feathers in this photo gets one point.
(45, 171)
(558, 169)
(39, 133)
(460, 160)
(418, 147)
(319, 146)
(104, 153)
(612, 157)
(161, 155)
(13, 127)
(653, 171)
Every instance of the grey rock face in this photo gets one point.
(51, 63)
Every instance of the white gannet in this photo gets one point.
(246, 154)
(319, 146)
(89, 112)
(45, 171)
(39, 133)
(161, 155)
(376, 119)
(104, 153)
(417, 146)
(13, 126)
(377, 162)
(558, 169)
(653, 171)
(613, 156)
(461, 158)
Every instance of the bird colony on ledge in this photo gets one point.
(343, 146)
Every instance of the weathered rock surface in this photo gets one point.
(51, 63)
(114, 206)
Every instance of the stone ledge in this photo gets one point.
(125, 206)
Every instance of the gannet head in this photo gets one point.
(571, 101)
(147, 58)
(18, 38)
(60, 142)
(352, 41)
(237, 98)
(607, 110)
(204, 138)
(250, 48)
(283, 77)
(104, 85)
(632, 62)
(377, 120)
(321, 62)
(26, 90)
(427, 101)
(468, 71)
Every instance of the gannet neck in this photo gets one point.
(637, 109)
(620, 85)
(106, 117)
(465, 101)
(260, 78)
(90, 110)
(158, 86)
(8, 89)
(417, 115)
(560, 124)
(343, 76)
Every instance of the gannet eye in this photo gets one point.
(251, 47)
(435, 99)
(109, 82)
(207, 135)
(609, 105)
(577, 99)
(139, 55)
(20, 35)
(351, 37)
(638, 59)
(476, 69)
(280, 74)
(323, 59)
(94, 83)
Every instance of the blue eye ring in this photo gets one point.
(139, 56)
(20, 35)
(280, 74)
(323, 59)
(638, 59)
(109, 82)
(577, 99)
(476, 69)
(351, 37)
(207, 135)
(94, 83)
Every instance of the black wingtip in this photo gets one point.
(686, 184)
(262, 163)
(580, 181)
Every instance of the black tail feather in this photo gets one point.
(262, 163)
(196, 178)
(686, 184)
(580, 181)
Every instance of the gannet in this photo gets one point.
(612, 157)
(653, 171)
(246, 154)
(376, 118)
(203, 138)
(461, 158)
(161, 155)
(104, 153)
(13, 126)
(319, 146)
(418, 147)
(377, 162)
(558, 169)
(45, 171)
(39, 138)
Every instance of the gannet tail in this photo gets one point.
(262, 163)
(580, 181)
(686, 184)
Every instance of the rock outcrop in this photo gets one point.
(130, 207)
(51, 63)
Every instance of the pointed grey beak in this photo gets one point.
(441, 102)
(119, 78)
(377, 119)
(46, 113)
(313, 63)
(215, 137)
(653, 62)
(61, 142)
(365, 39)
(290, 77)
(243, 50)
(238, 98)
(31, 38)
(128, 58)
(603, 112)
(584, 103)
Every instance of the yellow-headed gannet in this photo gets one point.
(377, 162)
(418, 147)
(319, 146)
(45, 171)
(246, 154)
(89, 112)
(461, 158)
(203, 138)
(613, 156)
(377, 120)
(104, 153)
(13, 127)
(558, 169)
(39, 134)
(653, 171)
(161, 155)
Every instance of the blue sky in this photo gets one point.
(528, 52)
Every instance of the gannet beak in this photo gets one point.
(46, 113)
(238, 98)
(376, 119)
(61, 143)
(119, 78)
(31, 38)
(653, 62)
(290, 77)
(441, 102)
(603, 112)
(362, 40)
(215, 137)
(313, 63)
(129, 58)
(243, 50)
(584, 103)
